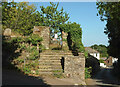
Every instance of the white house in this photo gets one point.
(93, 52)
(114, 60)
(102, 65)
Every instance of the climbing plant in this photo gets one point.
(74, 35)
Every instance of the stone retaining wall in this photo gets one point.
(74, 67)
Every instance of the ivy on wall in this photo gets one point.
(74, 35)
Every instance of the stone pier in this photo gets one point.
(74, 67)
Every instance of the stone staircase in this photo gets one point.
(50, 62)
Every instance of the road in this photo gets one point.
(104, 78)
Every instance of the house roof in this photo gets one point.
(90, 50)
(103, 58)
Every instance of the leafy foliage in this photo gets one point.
(101, 61)
(34, 55)
(19, 17)
(53, 17)
(102, 49)
(74, 34)
(86, 54)
(87, 72)
(110, 12)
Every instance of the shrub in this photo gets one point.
(87, 72)
(34, 55)
(101, 61)
(86, 54)
(27, 69)
(20, 60)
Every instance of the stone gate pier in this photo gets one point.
(43, 32)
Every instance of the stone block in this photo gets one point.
(43, 32)
(7, 32)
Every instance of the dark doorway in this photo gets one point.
(62, 63)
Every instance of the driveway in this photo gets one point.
(104, 78)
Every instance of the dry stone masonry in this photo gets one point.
(64, 37)
(7, 32)
(61, 61)
(43, 32)
(74, 66)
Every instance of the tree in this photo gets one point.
(102, 49)
(18, 16)
(53, 17)
(8, 14)
(110, 12)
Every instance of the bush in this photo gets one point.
(86, 54)
(27, 69)
(101, 61)
(87, 72)
(20, 60)
(34, 55)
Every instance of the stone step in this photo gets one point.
(49, 62)
(45, 64)
(53, 55)
(49, 58)
(48, 73)
(50, 70)
(50, 67)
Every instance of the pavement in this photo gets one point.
(16, 78)
(104, 78)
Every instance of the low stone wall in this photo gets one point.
(74, 67)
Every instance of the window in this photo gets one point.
(96, 54)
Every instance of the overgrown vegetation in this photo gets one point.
(87, 72)
(102, 49)
(25, 53)
(74, 36)
(101, 61)
(110, 12)
(22, 17)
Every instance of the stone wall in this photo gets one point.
(64, 37)
(7, 32)
(43, 32)
(74, 66)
